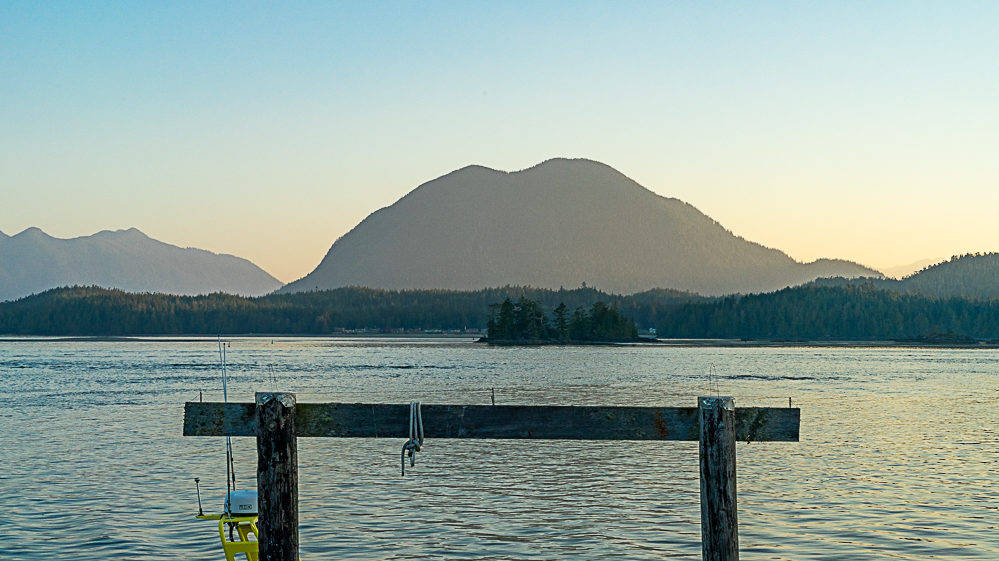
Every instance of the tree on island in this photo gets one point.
(561, 325)
(526, 322)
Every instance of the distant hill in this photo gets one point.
(858, 310)
(560, 223)
(902, 271)
(33, 261)
(967, 276)
(972, 277)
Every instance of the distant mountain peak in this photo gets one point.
(32, 232)
(475, 168)
(909, 269)
(33, 261)
(564, 161)
(37, 232)
(561, 164)
(558, 163)
(130, 233)
(559, 223)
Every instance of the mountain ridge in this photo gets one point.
(33, 261)
(562, 222)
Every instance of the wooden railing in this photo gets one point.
(277, 420)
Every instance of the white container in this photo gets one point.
(244, 503)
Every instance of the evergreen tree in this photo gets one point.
(505, 323)
(579, 325)
(561, 326)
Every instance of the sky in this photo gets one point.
(866, 131)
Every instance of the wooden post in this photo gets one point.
(277, 476)
(719, 517)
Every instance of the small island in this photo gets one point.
(526, 323)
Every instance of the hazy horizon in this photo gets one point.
(824, 130)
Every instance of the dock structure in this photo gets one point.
(277, 420)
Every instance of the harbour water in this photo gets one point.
(897, 458)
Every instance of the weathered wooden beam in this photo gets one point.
(277, 476)
(382, 420)
(219, 419)
(719, 513)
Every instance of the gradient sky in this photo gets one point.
(861, 130)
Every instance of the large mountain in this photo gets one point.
(33, 261)
(560, 223)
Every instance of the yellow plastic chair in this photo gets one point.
(245, 527)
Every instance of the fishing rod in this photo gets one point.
(230, 467)
(230, 472)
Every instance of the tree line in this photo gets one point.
(815, 312)
(94, 311)
(855, 311)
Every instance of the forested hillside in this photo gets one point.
(814, 312)
(98, 311)
(850, 312)
(974, 276)
(970, 276)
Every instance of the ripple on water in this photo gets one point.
(94, 463)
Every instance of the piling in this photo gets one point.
(277, 476)
(719, 514)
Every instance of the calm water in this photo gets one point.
(897, 459)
